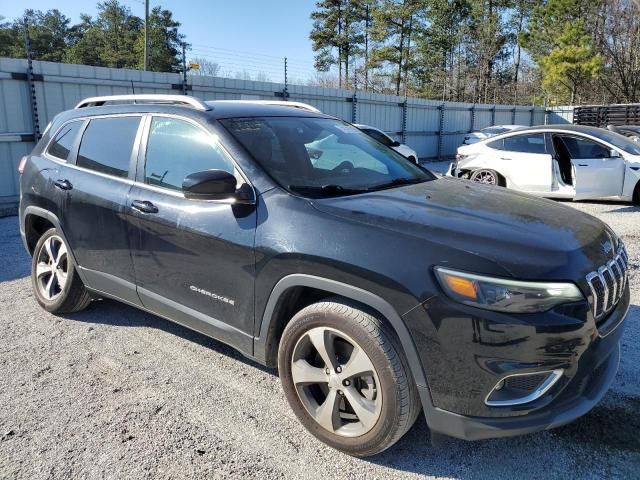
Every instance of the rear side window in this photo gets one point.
(583, 148)
(63, 143)
(176, 149)
(521, 143)
(106, 145)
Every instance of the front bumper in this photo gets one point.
(585, 395)
(475, 349)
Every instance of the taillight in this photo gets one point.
(22, 164)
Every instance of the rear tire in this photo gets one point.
(373, 400)
(636, 194)
(486, 177)
(54, 278)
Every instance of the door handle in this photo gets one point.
(583, 165)
(144, 206)
(504, 158)
(63, 184)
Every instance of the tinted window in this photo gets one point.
(62, 144)
(106, 145)
(583, 148)
(521, 143)
(616, 140)
(379, 136)
(176, 149)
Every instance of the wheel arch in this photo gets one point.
(286, 296)
(32, 220)
(635, 198)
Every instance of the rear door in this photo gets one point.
(524, 160)
(94, 216)
(194, 259)
(597, 173)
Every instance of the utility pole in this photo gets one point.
(184, 68)
(146, 34)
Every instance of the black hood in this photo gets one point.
(529, 237)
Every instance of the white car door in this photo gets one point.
(598, 173)
(525, 161)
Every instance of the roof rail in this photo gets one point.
(145, 98)
(281, 103)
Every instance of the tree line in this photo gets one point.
(481, 51)
(504, 51)
(114, 38)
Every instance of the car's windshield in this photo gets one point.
(618, 140)
(319, 157)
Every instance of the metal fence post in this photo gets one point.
(513, 116)
(31, 83)
(533, 113)
(473, 118)
(440, 130)
(404, 121)
(493, 115)
(354, 108)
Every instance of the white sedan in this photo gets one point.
(383, 138)
(555, 161)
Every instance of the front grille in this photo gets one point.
(608, 282)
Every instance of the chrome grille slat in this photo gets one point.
(608, 282)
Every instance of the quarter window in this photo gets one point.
(176, 149)
(62, 144)
(106, 145)
(521, 143)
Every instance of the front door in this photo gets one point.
(94, 220)
(194, 259)
(598, 174)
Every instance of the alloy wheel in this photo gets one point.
(336, 382)
(485, 176)
(52, 268)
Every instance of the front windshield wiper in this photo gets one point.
(326, 190)
(397, 182)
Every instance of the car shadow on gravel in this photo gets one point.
(611, 426)
(111, 312)
(615, 423)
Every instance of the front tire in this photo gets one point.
(54, 278)
(346, 379)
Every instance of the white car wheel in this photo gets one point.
(487, 177)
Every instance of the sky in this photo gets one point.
(251, 35)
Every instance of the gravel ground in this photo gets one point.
(113, 392)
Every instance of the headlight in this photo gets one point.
(505, 295)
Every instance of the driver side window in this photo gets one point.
(583, 148)
(177, 148)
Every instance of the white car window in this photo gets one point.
(533, 143)
(582, 148)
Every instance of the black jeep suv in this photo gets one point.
(376, 288)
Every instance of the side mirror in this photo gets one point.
(210, 185)
(395, 143)
(613, 153)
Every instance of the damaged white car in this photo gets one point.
(556, 161)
